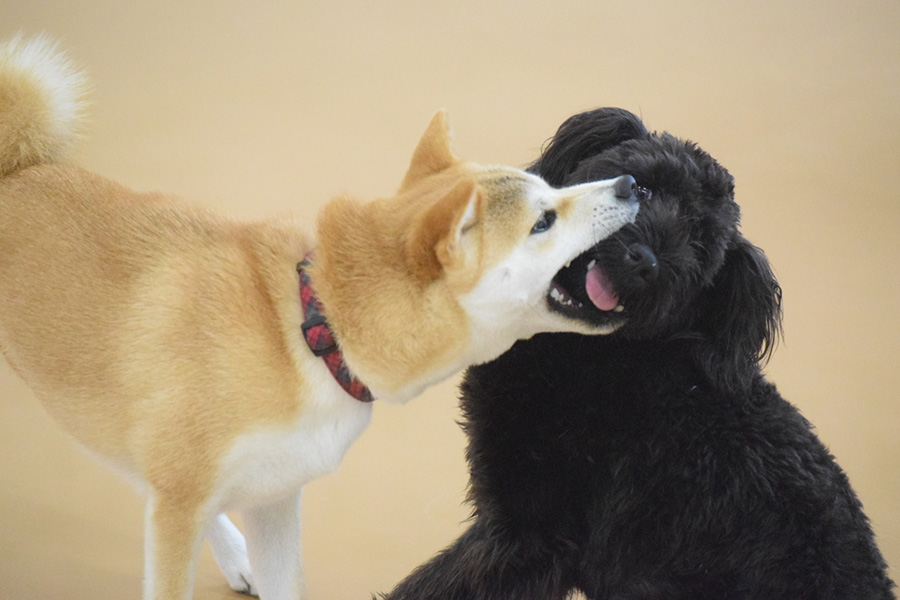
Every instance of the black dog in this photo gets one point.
(656, 462)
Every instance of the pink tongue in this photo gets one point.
(599, 289)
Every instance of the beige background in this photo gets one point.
(270, 107)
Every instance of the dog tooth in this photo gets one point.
(591, 264)
(619, 308)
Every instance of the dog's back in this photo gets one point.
(110, 295)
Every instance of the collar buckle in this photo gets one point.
(318, 336)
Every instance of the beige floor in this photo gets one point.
(271, 107)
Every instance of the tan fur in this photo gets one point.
(166, 338)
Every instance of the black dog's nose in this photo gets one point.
(641, 260)
(625, 187)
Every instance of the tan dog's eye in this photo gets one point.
(545, 222)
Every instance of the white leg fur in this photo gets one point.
(149, 545)
(230, 551)
(273, 542)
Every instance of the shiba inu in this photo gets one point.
(192, 355)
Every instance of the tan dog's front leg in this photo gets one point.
(273, 543)
(173, 532)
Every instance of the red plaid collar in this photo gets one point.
(321, 340)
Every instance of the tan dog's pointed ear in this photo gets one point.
(433, 153)
(436, 241)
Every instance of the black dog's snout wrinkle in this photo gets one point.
(641, 260)
(625, 187)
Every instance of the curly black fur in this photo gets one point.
(656, 462)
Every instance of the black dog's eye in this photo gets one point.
(548, 218)
(643, 194)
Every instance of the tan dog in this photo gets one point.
(170, 340)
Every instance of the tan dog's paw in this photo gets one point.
(243, 583)
(230, 551)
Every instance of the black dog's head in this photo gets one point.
(683, 269)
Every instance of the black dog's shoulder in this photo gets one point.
(649, 469)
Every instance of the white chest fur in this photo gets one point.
(274, 460)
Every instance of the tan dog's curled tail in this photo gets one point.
(41, 103)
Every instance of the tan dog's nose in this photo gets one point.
(625, 187)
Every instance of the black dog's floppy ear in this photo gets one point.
(741, 321)
(585, 135)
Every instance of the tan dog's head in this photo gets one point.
(459, 264)
(498, 236)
